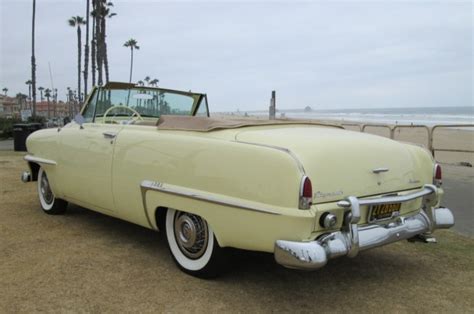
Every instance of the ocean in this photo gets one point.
(416, 115)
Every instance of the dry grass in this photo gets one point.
(87, 262)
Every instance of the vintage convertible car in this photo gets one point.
(304, 191)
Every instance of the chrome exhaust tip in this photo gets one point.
(26, 176)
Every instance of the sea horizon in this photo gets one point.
(403, 115)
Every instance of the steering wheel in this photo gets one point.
(135, 113)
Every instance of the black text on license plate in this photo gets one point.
(384, 211)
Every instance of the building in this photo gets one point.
(9, 107)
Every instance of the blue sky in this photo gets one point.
(326, 54)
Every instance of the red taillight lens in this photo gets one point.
(438, 176)
(306, 193)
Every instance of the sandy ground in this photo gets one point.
(88, 262)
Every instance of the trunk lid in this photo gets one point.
(341, 163)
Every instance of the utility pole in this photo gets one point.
(272, 108)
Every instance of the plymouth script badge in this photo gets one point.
(320, 194)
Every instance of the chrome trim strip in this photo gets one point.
(427, 189)
(282, 149)
(201, 196)
(40, 160)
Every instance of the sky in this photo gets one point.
(323, 54)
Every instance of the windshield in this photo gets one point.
(149, 103)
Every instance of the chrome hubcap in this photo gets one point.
(191, 234)
(45, 189)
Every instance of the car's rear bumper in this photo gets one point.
(353, 238)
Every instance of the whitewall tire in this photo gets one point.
(192, 244)
(49, 203)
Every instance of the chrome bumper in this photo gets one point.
(352, 238)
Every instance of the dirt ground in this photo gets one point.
(87, 262)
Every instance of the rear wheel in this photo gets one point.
(49, 203)
(193, 245)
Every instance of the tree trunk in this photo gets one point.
(106, 64)
(29, 93)
(79, 61)
(93, 51)
(49, 114)
(131, 64)
(98, 44)
(86, 50)
(105, 60)
(33, 59)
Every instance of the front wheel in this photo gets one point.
(49, 203)
(193, 245)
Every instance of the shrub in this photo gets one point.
(6, 126)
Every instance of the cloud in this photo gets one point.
(325, 54)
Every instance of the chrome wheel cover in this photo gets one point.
(191, 234)
(45, 190)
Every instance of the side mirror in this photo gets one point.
(79, 119)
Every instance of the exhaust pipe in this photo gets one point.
(26, 176)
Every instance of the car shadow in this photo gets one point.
(246, 266)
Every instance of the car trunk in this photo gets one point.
(342, 163)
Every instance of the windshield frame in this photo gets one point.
(198, 98)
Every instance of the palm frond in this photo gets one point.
(72, 21)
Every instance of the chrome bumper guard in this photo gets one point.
(352, 238)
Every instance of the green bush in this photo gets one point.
(6, 126)
(37, 119)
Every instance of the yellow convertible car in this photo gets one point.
(304, 191)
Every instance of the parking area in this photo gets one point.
(84, 261)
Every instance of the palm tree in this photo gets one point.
(100, 12)
(154, 82)
(96, 46)
(77, 21)
(33, 59)
(29, 82)
(47, 94)
(132, 44)
(86, 49)
(147, 80)
(5, 90)
(93, 41)
(140, 83)
(105, 14)
(41, 89)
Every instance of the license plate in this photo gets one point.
(384, 211)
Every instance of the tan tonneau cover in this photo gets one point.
(205, 124)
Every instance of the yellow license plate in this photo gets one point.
(384, 211)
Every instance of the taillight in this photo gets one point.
(306, 193)
(437, 176)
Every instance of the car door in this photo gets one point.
(86, 163)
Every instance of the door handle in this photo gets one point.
(109, 135)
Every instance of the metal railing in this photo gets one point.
(434, 149)
(430, 132)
